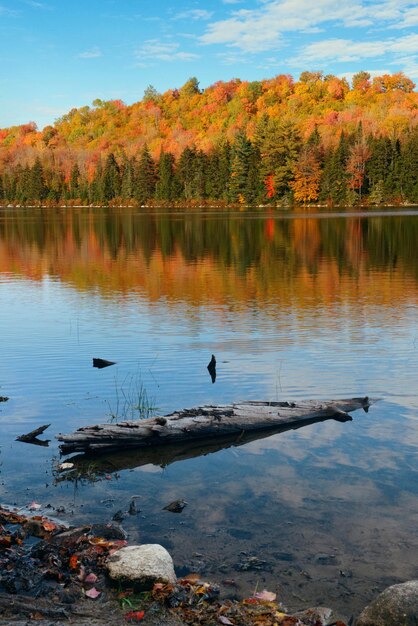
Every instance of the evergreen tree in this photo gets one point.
(218, 172)
(146, 177)
(75, 182)
(96, 192)
(128, 178)
(167, 187)
(393, 187)
(245, 184)
(191, 173)
(409, 167)
(279, 145)
(36, 189)
(334, 187)
(377, 167)
(111, 179)
(254, 187)
(23, 184)
(242, 152)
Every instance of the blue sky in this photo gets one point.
(59, 54)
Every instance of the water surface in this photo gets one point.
(294, 306)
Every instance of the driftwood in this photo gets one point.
(32, 437)
(91, 464)
(206, 423)
(101, 363)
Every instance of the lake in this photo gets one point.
(294, 306)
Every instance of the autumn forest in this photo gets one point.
(270, 142)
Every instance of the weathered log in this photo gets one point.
(90, 464)
(205, 423)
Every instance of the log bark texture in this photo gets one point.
(206, 422)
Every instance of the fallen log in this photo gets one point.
(207, 422)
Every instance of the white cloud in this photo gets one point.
(194, 14)
(93, 53)
(36, 5)
(262, 29)
(410, 18)
(345, 50)
(4, 11)
(157, 50)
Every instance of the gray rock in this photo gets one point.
(316, 615)
(143, 565)
(396, 606)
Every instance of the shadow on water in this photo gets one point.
(89, 466)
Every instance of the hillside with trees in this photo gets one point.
(275, 141)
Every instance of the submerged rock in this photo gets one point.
(395, 606)
(316, 615)
(143, 565)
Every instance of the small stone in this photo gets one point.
(316, 615)
(144, 565)
(395, 606)
(175, 507)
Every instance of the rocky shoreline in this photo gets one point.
(89, 576)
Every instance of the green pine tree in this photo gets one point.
(167, 187)
(146, 177)
(111, 179)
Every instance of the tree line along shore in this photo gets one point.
(271, 142)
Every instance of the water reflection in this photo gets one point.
(227, 259)
(292, 307)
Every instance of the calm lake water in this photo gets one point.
(294, 306)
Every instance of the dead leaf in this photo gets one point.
(92, 593)
(224, 620)
(134, 616)
(266, 596)
(36, 616)
(73, 564)
(34, 506)
(191, 578)
(48, 526)
(91, 578)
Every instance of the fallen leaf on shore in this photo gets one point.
(91, 578)
(267, 596)
(73, 563)
(34, 506)
(225, 620)
(191, 578)
(134, 616)
(48, 526)
(36, 616)
(92, 593)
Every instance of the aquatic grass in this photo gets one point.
(132, 400)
